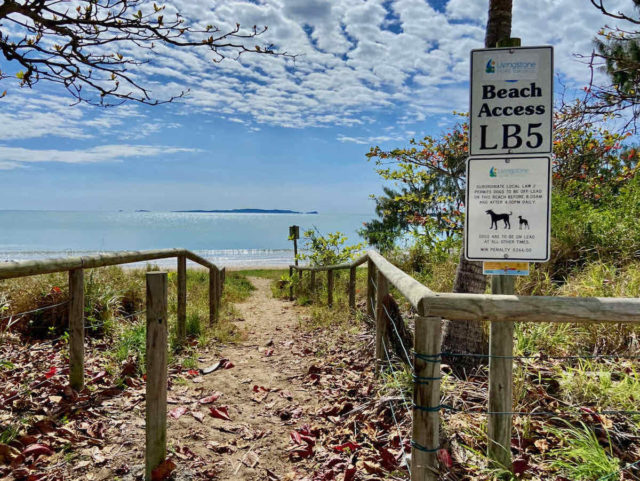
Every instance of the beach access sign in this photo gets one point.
(511, 101)
(508, 209)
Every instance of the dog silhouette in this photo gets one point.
(496, 217)
(524, 223)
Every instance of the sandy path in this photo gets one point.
(260, 421)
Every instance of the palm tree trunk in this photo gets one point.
(499, 23)
(470, 337)
(466, 337)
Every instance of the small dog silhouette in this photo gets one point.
(496, 217)
(524, 223)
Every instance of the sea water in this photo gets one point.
(227, 239)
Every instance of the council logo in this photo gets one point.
(491, 66)
(493, 172)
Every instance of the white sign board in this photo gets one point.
(511, 101)
(508, 209)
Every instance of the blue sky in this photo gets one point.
(269, 132)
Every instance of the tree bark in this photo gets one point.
(470, 337)
(499, 23)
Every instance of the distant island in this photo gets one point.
(247, 211)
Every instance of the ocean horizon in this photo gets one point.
(232, 240)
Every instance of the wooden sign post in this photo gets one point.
(508, 193)
(294, 235)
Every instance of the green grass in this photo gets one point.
(582, 457)
(264, 273)
(112, 294)
(605, 386)
(131, 344)
(320, 314)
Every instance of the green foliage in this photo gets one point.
(601, 386)
(428, 194)
(603, 231)
(591, 163)
(194, 324)
(582, 457)
(617, 53)
(392, 223)
(132, 344)
(596, 201)
(237, 287)
(329, 249)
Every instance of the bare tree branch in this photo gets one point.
(80, 48)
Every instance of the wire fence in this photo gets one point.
(33, 311)
(570, 412)
(63, 337)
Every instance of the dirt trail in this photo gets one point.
(257, 437)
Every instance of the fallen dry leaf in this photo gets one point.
(177, 412)
(163, 471)
(7, 453)
(221, 413)
(445, 458)
(36, 450)
(198, 416)
(542, 445)
(251, 460)
(210, 399)
(271, 476)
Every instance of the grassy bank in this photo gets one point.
(114, 310)
(589, 426)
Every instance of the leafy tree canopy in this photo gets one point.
(329, 249)
(427, 198)
(429, 194)
(617, 53)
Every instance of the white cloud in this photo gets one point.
(13, 157)
(355, 58)
(375, 139)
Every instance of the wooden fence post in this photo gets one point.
(381, 319)
(213, 296)
(290, 283)
(313, 285)
(352, 288)
(330, 287)
(220, 289)
(182, 299)
(371, 292)
(501, 380)
(426, 395)
(76, 329)
(156, 396)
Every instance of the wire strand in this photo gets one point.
(393, 413)
(541, 357)
(406, 353)
(32, 311)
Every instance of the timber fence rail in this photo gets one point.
(156, 318)
(502, 311)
